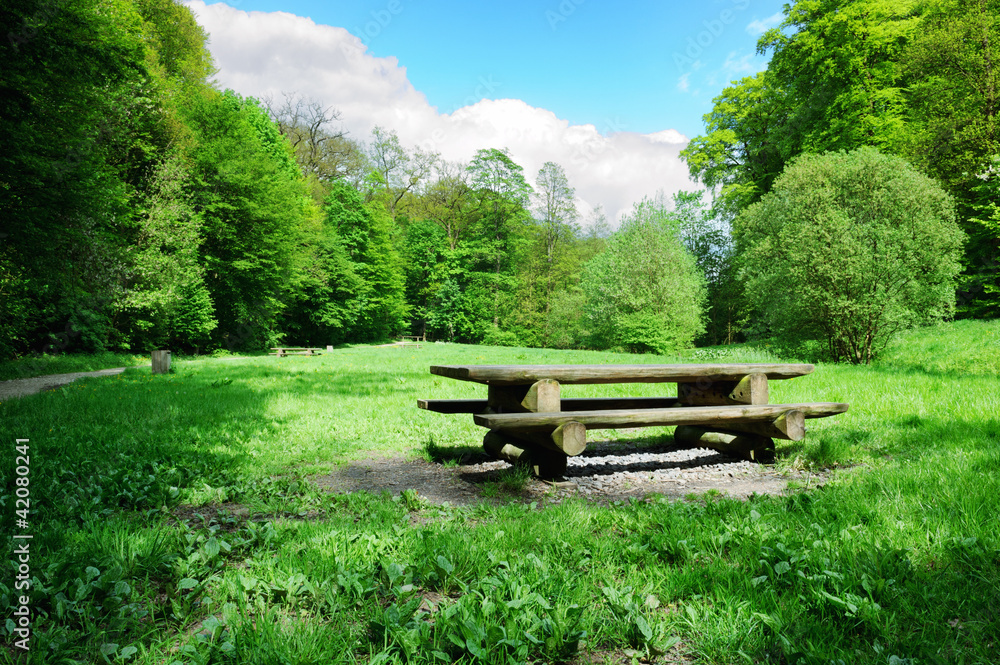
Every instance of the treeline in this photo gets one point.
(144, 208)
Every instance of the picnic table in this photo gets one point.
(720, 406)
(282, 351)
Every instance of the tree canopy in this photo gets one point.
(913, 79)
(143, 207)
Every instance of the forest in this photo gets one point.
(142, 207)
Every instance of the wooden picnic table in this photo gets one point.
(720, 406)
(282, 351)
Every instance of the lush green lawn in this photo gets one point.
(173, 520)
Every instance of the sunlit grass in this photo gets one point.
(176, 511)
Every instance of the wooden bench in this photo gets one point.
(282, 351)
(723, 407)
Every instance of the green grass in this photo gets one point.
(42, 364)
(174, 521)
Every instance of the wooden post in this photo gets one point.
(751, 389)
(570, 438)
(329, 348)
(542, 397)
(161, 362)
(790, 426)
(506, 399)
(745, 446)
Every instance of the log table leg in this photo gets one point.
(545, 452)
(750, 447)
(751, 442)
(751, 389)
(544, 463)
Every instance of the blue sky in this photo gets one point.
(613, 65)
(610, 92)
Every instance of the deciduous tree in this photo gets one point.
(644, 292)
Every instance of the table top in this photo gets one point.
(511, 375)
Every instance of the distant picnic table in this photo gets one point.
(282, 351)
(720, 406)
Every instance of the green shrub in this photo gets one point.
(849, 248)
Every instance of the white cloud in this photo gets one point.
(260, 53)
(760, 26)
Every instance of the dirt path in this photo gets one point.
(36, 384)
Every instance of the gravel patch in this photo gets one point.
(607, 471)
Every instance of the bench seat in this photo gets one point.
(665, 417)
(573, 404)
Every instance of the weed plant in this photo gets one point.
(174, 521)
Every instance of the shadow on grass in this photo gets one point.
(453, 455)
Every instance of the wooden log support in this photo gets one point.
(544, 463)
(570, 438)
(745, 446)
(504, 447)
(751, 389)
(542, 397)
(161, 362)
(790, 426)
(506, 399)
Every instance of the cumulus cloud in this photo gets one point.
(760, 26)
(261, 54)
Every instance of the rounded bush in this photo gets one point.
(848, 249)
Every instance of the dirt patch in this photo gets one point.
(436, 483)
(607, 471)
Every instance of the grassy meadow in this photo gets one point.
(174, 521)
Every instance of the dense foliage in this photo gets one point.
(914, 79)
(644, 292)
(850, 249)
(144, 208)
(141, 207)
